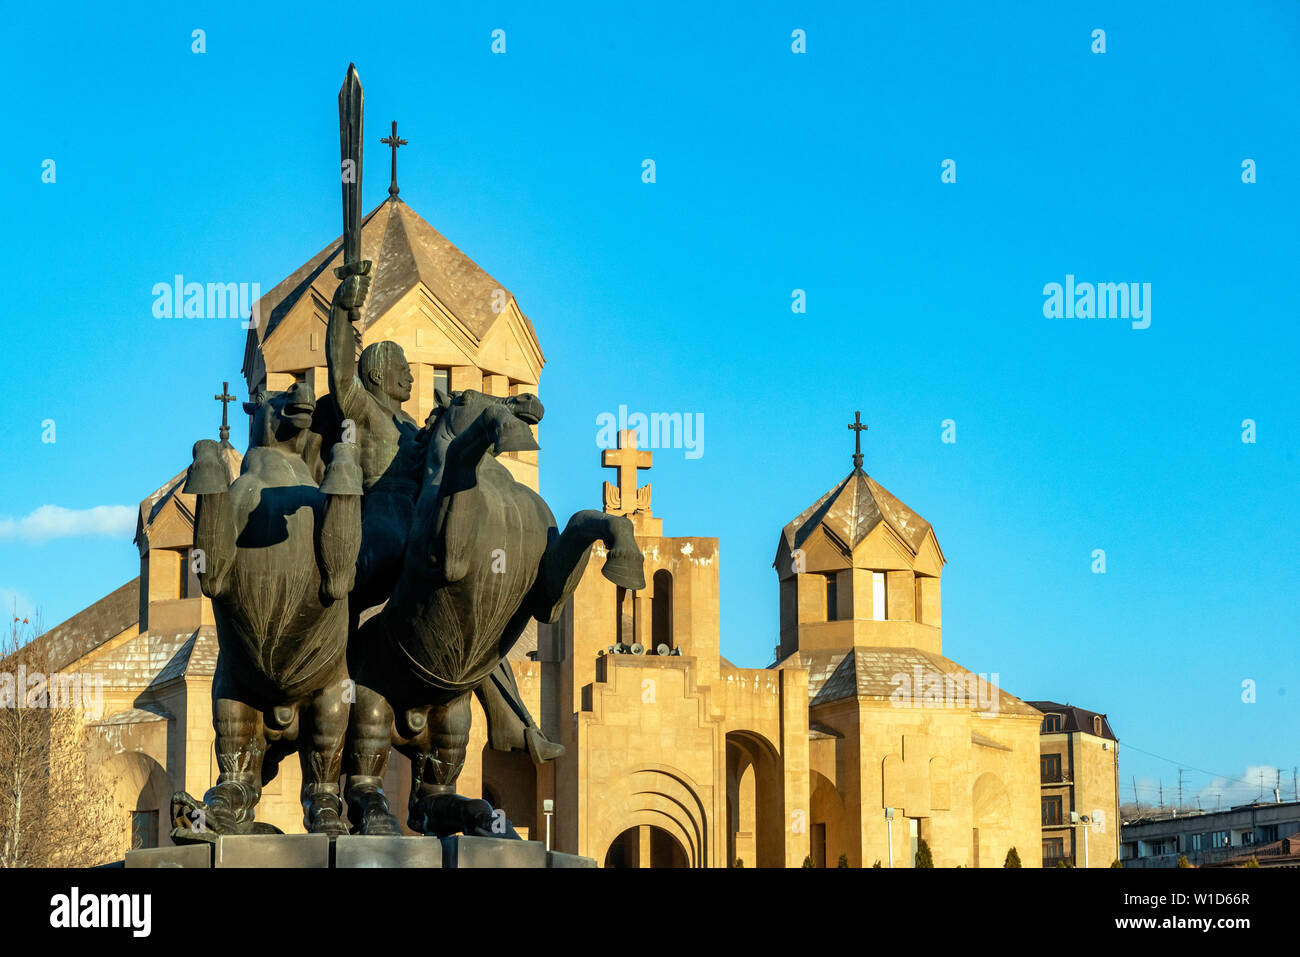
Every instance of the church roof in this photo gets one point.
(852, 510)
(405, 251)
(91, 627)
(880, 672)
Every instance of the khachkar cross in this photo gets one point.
(858, 427)
(625, 498)
(393, 141)
(225, 398)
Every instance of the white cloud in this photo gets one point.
(1255, 783)
(54, 521)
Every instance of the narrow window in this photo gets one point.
(442, 379)
(1049, 768)
(661, 610)
(832, 598)
(878, 596)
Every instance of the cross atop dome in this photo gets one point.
(858, 427)
(393, 142)
(224, 399)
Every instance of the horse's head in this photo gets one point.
(281, 419)
(457, 412)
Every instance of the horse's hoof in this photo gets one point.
(326, 820)
(380, 824)
(208, 474)
(625, 569)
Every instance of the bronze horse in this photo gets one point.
(276, 553)
(484, 555)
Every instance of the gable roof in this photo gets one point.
(91, 627)
(405, 250)
(851, 511)
(1076, 719)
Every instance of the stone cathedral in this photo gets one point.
(860, 741)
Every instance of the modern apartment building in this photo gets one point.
(1079, 779)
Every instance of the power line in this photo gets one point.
(1190, 767)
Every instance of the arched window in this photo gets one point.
(661, 610)
(1096, 725)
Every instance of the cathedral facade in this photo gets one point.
(860, 743)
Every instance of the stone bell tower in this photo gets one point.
(858, 568)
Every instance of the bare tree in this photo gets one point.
(52, 812)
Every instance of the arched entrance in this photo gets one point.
(657, 797)
(645, 846)
(755, 801)
(139, 793)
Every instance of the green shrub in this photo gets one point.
(843, 861)
(923, 858)
(1013, 859)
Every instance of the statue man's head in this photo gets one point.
(384, 371)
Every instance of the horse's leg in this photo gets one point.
(339, 537)
(214, 521)
(228, 806)
(437, 756)
(322, 757)
(370, 737)
(565, 559)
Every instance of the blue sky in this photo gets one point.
(774, 172)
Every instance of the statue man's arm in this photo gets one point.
(340, 343)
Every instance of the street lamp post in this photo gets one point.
(889, 827)
(1083, 821)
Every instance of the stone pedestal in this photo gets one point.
(558, 859)
(273, 850)
(185, 855)
(478, 852)
(358, 851)
(317, 850)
